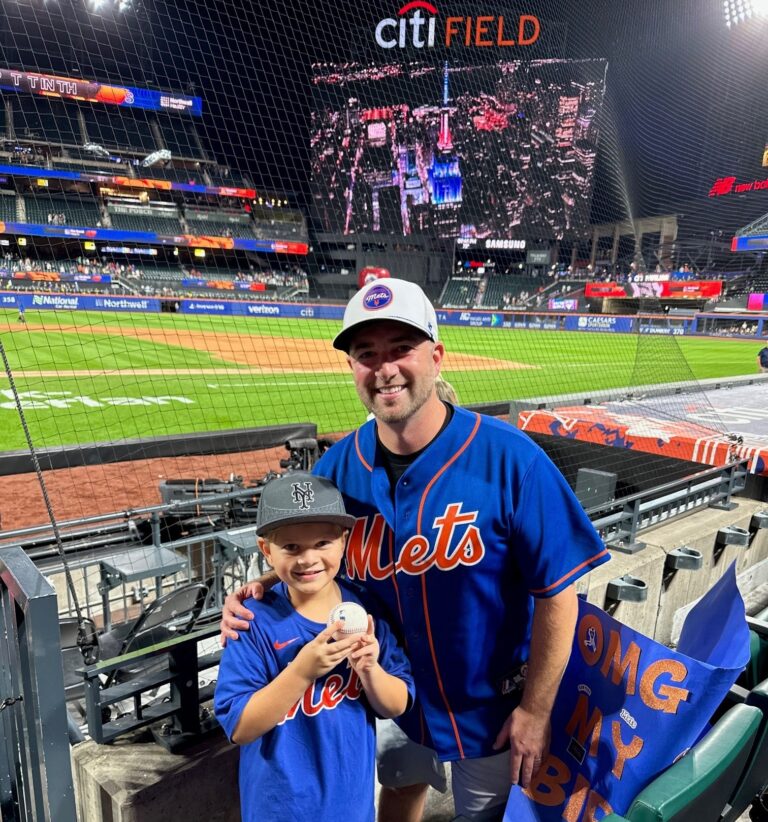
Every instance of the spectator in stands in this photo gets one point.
(762, 359)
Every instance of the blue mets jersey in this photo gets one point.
(478, 525)
(317, 765)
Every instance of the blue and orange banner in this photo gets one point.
(628, 707)
(127, 182)
(179, 240)
(72, 88)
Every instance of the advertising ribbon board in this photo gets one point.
(628, 707)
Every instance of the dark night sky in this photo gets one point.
(685, 98)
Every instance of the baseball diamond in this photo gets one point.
(85, 377)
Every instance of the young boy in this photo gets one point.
(301, 704)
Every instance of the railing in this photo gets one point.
(113, 569)
(175, 663)
(35, 771)
(619, 521)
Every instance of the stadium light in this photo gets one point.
(739, 11)
(163, 155)
(95, 148)
(119, 5)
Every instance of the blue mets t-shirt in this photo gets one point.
(318, 763)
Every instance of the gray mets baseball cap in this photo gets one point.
(391, 299)
(299, 497)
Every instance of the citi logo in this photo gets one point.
(413, 28)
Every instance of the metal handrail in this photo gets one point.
(717, 471)
(35, 771)
(183, 719)
(131, 513)
(623, 519)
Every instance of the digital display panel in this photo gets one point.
(492, 151)
(49, 85)
(671, 290)
(129, 182)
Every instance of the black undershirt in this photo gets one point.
(397, 464)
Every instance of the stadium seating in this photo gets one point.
(215, 228)
(280, 230)
(138, 222)
(80, 212)
(7, 207)
(501, 284)
(754, 285)
(173, 614)
(700, 784)
(119, 130)
(45, 119)
(178, 136)
(279, 224)
(159, 274)
(459, 294)
(220, 178)
(78, 160)
(333, 292)
(754, 779)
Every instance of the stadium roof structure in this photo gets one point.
(752, 237)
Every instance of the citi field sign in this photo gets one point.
(418, 25)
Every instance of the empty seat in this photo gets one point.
(173, 614)
(699, 785)
(75, 212)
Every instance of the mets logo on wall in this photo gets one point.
(378, 297)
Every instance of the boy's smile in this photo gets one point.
(306, 556)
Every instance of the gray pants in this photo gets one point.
(480, 786)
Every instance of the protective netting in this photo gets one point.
(189, 191)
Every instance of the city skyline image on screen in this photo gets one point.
(506, 149)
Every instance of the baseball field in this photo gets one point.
(94, 377)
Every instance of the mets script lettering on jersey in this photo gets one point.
(457, 542)
(302, 494)
(335, 688)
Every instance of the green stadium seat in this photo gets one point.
(699, 785)
(757, 667)
(754, 779)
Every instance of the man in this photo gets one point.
(762, 359)
(473, 540)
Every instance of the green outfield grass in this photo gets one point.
(112, 406)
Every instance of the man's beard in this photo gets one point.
(418, 394)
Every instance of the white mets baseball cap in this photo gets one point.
(398, 300)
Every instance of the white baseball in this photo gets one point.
(353, 616)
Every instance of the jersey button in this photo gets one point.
(405, 483)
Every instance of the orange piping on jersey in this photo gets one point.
(570, 573)
(394, 575)
(443, 470)
(424, 585)
(359, 452)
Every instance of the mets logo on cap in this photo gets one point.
(377, 297)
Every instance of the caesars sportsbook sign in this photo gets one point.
(420, 25)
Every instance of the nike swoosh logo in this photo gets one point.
(280, 645)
